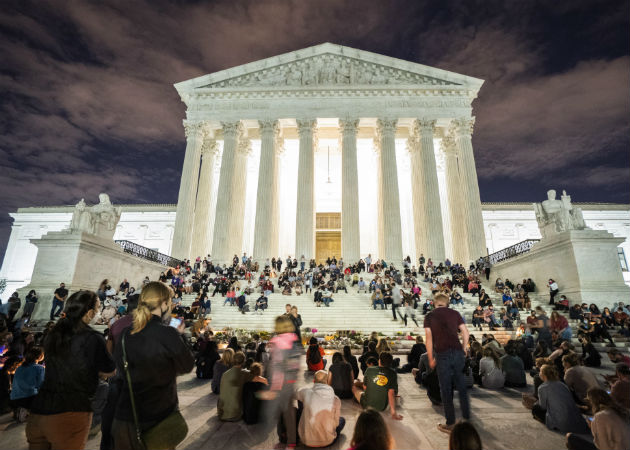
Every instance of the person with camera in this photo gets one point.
(150, 355)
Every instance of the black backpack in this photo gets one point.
(313, 355)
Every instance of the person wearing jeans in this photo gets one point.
(447, 354)
(61, 293)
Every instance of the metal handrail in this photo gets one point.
(148, 254)
(511, 251)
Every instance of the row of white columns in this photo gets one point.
(194, 210)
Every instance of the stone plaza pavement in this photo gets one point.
(498, 415)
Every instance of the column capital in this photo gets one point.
(306, 126)
(462, 126)
(244, 146)
(377, 144)
(413, 143)
(386, 126)
(269, 126)
(449, 146)
(209, 147)
(195, 128)
(279, 145)
(232, 129)
(424, 126)
(349, 126)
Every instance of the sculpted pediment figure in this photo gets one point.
(327, 70)
(555, 216)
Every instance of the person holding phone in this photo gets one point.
(157, 354)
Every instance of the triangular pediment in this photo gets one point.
(328, 65)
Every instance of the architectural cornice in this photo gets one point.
(329, 64)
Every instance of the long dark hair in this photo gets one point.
(347, 353)
(371, 432)
(464, 436)
(58, 339)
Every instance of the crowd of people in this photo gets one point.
(123, 382)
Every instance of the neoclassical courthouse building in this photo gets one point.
(323, 151)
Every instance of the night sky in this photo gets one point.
(88, 105)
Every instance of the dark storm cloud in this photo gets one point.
(87, 103)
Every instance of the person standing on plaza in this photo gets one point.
(76, 356)
(61, 293)
(396, 301)
(448, 354)
(156, 354)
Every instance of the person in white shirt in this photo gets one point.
(553, 290)
(320, 421)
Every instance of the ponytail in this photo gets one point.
(70, 323)
(153, 295)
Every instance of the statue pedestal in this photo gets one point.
(584, 263)
(81, 261)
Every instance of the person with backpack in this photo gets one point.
(315, 356)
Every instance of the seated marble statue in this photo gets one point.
(100, 219)
(555, 216)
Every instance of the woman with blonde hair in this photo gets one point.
(151, 354)
(383, 346)
(220, 367)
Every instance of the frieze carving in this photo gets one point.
(425, 102)
(328, 70)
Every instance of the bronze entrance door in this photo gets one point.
(327, 244)
(327, 236)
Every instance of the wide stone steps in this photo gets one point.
(353, 311)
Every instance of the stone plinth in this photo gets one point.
(584, 263)
(82, 261)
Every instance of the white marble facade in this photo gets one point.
(276, 117)
(152, 226)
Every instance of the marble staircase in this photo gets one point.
(353, 311)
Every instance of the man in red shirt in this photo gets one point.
(448, 354)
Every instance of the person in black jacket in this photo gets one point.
(157, 354)
(76, 358)
(413, 358)
(206, 359)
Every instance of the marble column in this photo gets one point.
(350, 237)
(305, 212)
(239, 194)
(380, 244)
(476, 239)
(221, 246)
(184, 219)
(455, 193)
(275, 228)
(201, 241)
(427, 212)
(392, 231)
(266, 202)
